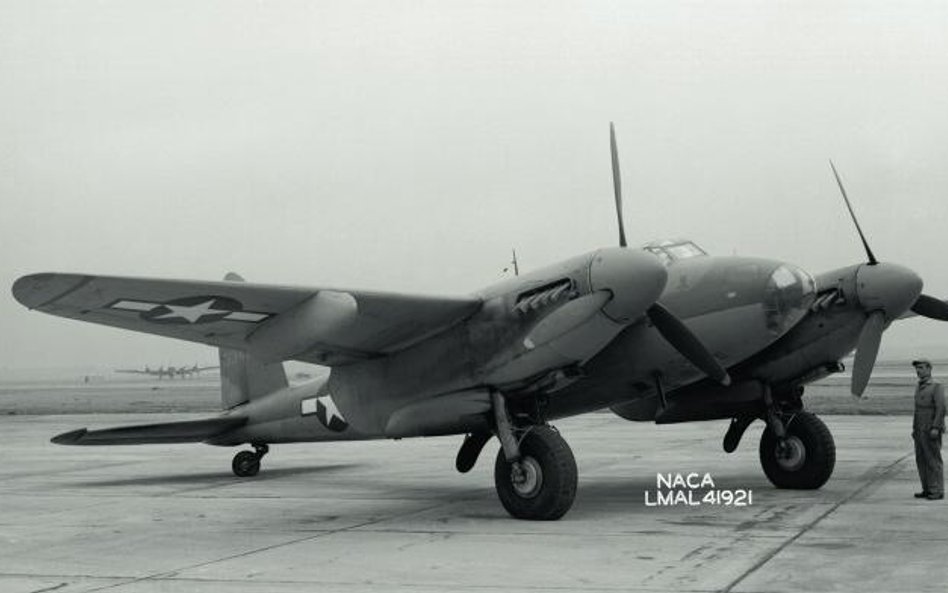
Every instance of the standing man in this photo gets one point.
(927, 428)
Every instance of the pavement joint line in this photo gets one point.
(361, 586)
(885, 471)
(88, 577)
(52, 588)
(169, 574)
(358, 586)
(626, 534)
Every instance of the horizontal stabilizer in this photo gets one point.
(189, 431)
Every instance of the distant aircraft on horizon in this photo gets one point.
(170, 372)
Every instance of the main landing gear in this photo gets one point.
(535, 471)
(797, 450)
(803, 457)
(541, 483)
(247, 463)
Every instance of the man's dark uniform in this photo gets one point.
(929, 414)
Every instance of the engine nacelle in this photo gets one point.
(320, 318)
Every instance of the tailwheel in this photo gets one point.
(804, 458)
(542, 484)
(247, 463)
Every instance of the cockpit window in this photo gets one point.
(684, 250)
(783, 277)
(662, 256)
(670, 251)
(789, 293)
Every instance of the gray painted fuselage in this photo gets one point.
(732, 303)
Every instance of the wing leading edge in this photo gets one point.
(321, 326)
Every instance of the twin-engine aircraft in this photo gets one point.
(665, 333)
(171, 372)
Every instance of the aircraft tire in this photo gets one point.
(549, 487)
(810, 459)
(246, 464)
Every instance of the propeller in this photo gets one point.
(684, 341)
(617, 182)
(886, 292)
(930, 307)
(842, 190)
(671, 328)
(867, 348)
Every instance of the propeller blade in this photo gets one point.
(839, 182)
(866, 351)
(617, 182)
(684, 341)
(931, 307)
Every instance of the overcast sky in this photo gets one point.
(408, 146)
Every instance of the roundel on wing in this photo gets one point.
(192, 310)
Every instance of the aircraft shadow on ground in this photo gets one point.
(220, 478)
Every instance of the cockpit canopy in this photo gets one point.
(672, 250)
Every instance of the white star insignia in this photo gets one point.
(193, 312)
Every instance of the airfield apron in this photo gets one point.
(929, 413)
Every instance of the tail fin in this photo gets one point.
(244, 377)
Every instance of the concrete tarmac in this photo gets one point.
(396, 516)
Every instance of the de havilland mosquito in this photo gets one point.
(665, 333)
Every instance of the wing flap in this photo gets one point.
(189, 431)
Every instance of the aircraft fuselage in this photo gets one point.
(737, 305)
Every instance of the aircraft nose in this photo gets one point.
(635, 278)
(888, 287)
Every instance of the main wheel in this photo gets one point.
(805, 459)
(543, 485)
(246, 464)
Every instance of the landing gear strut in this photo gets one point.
(535, 473)
(247, 463)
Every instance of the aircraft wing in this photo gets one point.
(132, 371)
(321, 326)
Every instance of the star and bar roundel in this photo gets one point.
(325, 411)
(191, 310)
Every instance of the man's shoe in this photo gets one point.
(922, 494)
(935, 496)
